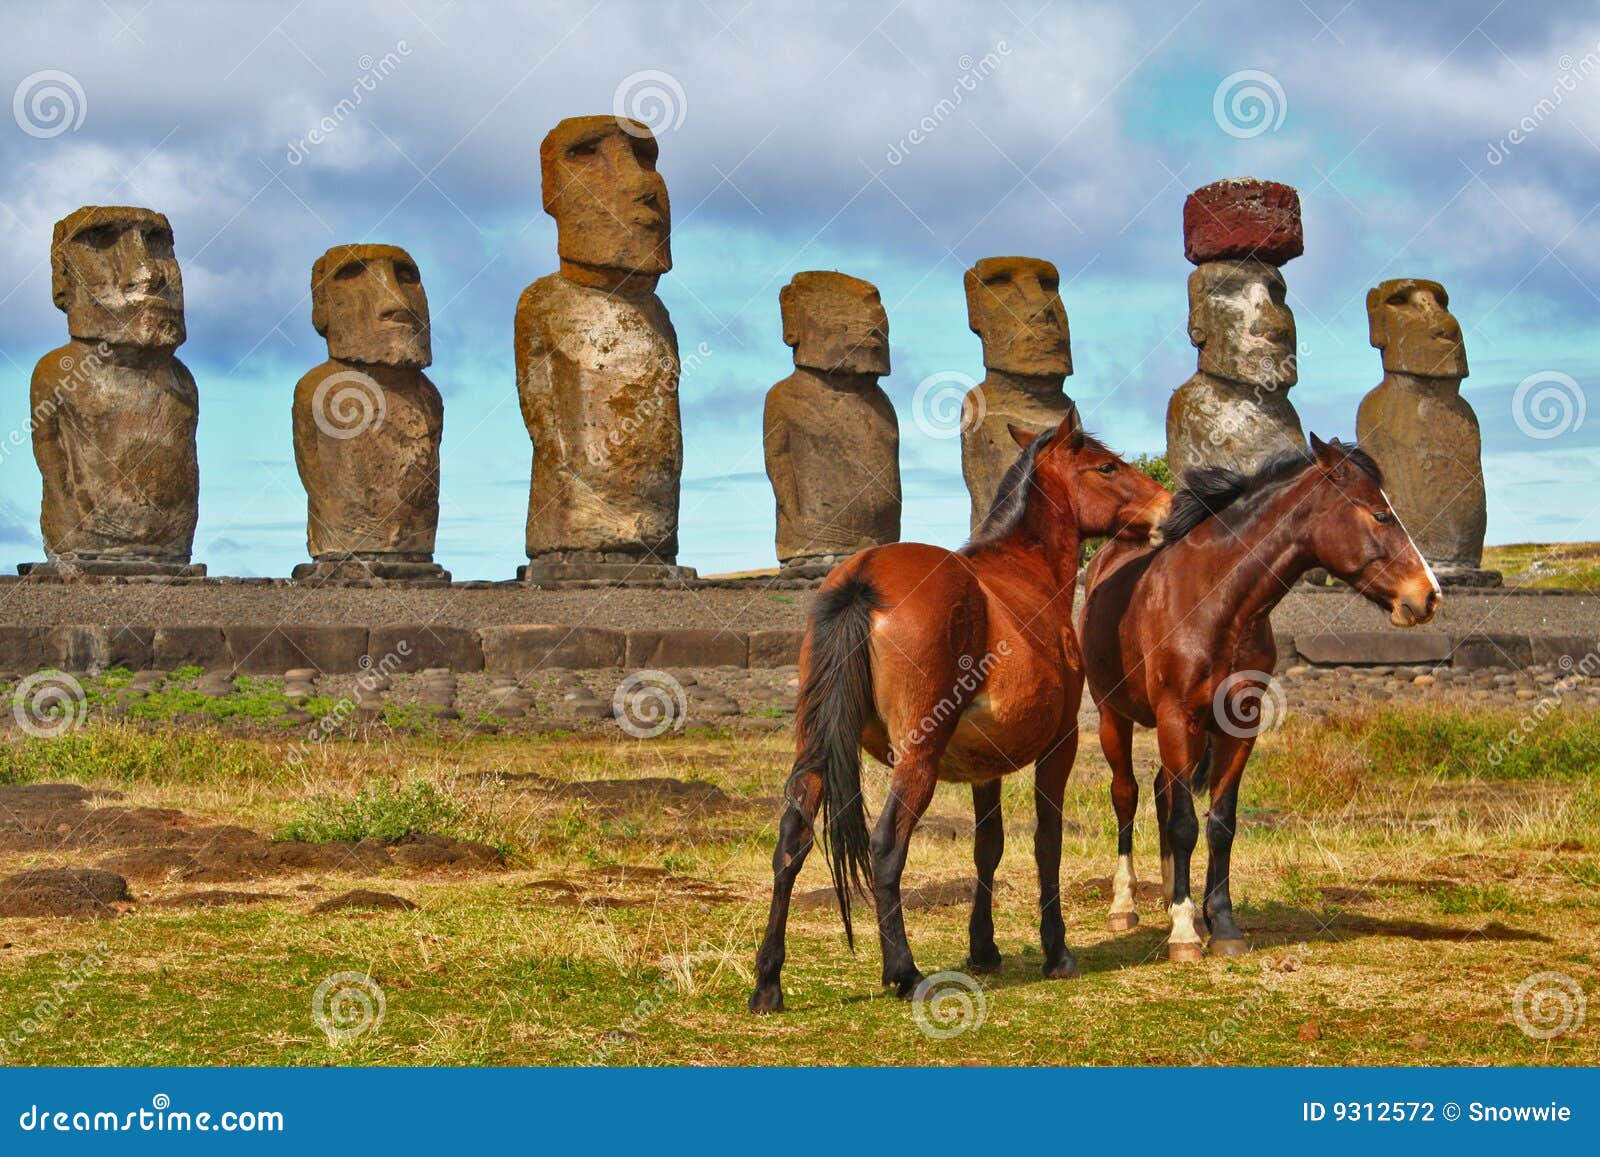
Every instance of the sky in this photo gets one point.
(897, 142)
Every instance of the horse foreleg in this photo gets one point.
(989, 841)
(910, 792)
(1228, 755)
(1049, 788)
(1181, 751)
(794, 842)
(1116, 740)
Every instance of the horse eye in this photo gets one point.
(1107, 468)
(1382, 516)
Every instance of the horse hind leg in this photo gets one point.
(795, 837)
(988, 844)
(1116, 740)
(910, 792)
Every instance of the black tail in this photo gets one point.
(835, 703)
(1202, 773)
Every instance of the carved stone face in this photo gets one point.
(835, 323)
(367, 300)
(1014, 306)
(1240, 321)
(113, 272)
(600, 184)
(1411, 322)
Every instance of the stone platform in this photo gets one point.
(273, 625)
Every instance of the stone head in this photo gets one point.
(1014, 306)
(835, 323)
(114, 274)
(368, 301)
(1409, 319)
(1241, 322)
(599, 180)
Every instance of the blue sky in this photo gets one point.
(783, 145)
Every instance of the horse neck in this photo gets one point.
(1050, 526)
(1260, 561)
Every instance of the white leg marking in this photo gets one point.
(1184, 924)
(1122, 886)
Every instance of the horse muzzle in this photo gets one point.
(1413, 609)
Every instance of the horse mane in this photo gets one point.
(1011, 499)
(1208, 491)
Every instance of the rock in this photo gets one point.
(1310, 1031)
(1243, 217)
(1425, 680)
(597, 357)
(77, 893)
(362, 898)
(1014, 306)
(114, 411)
(831, 439)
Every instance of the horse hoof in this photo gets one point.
(1232, 947)
(1123, 921)
(765, 1000)
(984, 964)
(907, 988)
(1185, 952)
(1064, 969)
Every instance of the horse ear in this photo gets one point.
(1070, 432)
(1021, 437)
(1319, 447)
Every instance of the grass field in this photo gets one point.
(1547, 565)
(1398, 887)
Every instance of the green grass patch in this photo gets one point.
(380, 811)
(1476, 899)
(124, 754)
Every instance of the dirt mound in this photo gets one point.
(933, 894)
(621, 886)
(77, 893)
(364, 898)
(148, 843)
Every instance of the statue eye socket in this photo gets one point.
(100, 237)
(583, 149)
(349, 270)
(407, 274)
(159, 242)
(1399, 299)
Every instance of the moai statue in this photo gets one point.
(1235, 412)
(597, 364)
(1014, 306)
(832, 440)
(1421, 430)
(367, 423)
(114, 412)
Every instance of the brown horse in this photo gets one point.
(1178, 638)
(954, 665)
